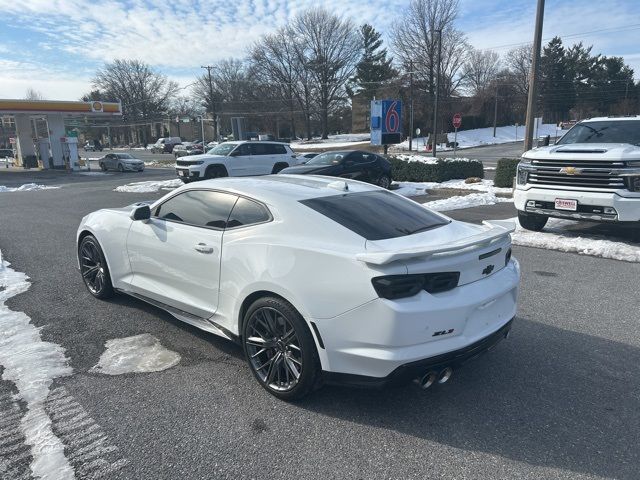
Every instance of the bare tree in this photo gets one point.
(415, 38)
(518, 62)
(276, 64)
(33, 94)
(480, 70)
(454, 54)
(328, 49)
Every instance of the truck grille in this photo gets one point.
(576, 173)
(185, 163)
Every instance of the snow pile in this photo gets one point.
(32, 364)
(27, 187)
(334, 141)
(431, 160)
(465, 201)
(483, 136)
(556, 236)
(137, 354)
(411, 189)
(150, 186)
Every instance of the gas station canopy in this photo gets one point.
(57, 151)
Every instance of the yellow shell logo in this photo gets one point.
(96, 106)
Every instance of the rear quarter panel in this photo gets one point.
(110, 227)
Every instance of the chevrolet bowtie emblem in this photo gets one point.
(571, 170)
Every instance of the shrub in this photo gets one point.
(440, 170)
(505, 171)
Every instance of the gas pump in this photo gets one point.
(44, 153)
(70, 152)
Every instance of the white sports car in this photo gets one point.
(320, 281)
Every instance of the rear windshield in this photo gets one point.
(376, 215)
(621, 131)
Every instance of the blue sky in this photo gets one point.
(55, 46)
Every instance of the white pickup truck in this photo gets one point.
(591, 173)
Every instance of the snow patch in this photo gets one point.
(556, 236)
(137, 354)
(149, 186)
(431, 160)
(27, 187)
(411, 189)
(32, 364)
(334, 141)
(465, 201)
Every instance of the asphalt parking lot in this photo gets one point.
(559, 399)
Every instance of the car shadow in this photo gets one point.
(566, 400)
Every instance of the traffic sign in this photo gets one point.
(457, 120)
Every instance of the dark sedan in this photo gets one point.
(353, 164)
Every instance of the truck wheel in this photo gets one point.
(215, 171)
(532, 221)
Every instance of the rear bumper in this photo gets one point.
(381, 336)
(405, 373)
(591, 205)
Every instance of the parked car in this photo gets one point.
(121, 162)
(353, 164)
(6, 153)
(318, 280)
(89, 147)
(236, 159)
(184, 149)
(591, 173)
(165, 145)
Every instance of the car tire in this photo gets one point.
(279, 167)
(103, 167)
(120, 168)
(384, 181)
(280, 349)
(94, 268)
(532, 221)
(215, 171)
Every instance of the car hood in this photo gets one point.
(586, 151)
(205, 156)
(308, 169)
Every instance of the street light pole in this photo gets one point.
(533, 80)
(495, 112)
(411, 105)
(213, 113)
(435, 100)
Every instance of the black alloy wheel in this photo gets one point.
(280, 349)
(384, 181)
(93, 267)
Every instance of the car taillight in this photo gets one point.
(401, 286)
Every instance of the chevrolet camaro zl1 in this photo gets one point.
(320, 280)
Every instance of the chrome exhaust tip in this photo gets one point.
(445, 375)
(427, 380)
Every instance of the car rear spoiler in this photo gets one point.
(497, 229)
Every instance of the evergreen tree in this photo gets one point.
(374, 67)
(557, 86)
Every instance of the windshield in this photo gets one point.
(621, 131)
(329, 158)
(376, 215)
(123, 155)
(223, 149)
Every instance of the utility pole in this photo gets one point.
(533, 78)
(495, 112)
(213, 112)
(435, 99)
(410, 104)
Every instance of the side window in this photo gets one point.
(367, 157)
(355, 157)
(198, 207)
(260, 149)
(278, 149)
(243, 149)
(247, 212)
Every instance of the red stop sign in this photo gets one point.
(457, 120)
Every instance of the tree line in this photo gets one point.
(303, 78)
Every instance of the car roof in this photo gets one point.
(274, 189)
(614, 118)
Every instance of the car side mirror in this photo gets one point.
(235, 153)
(143, 212)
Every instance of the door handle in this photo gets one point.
(203, 248)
